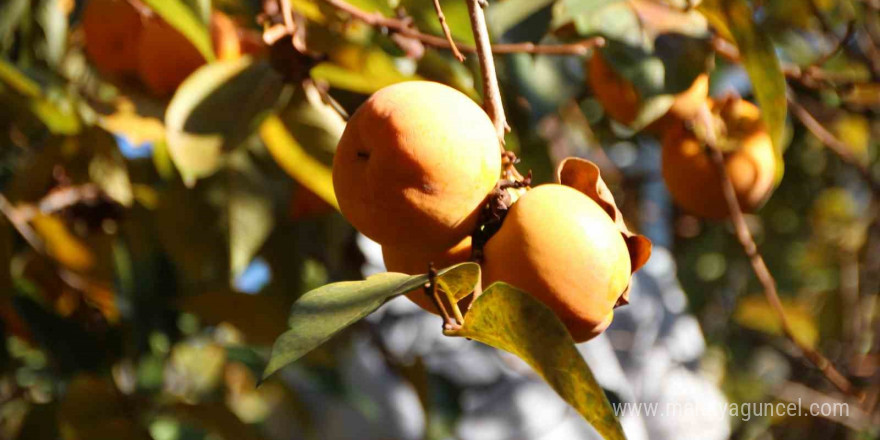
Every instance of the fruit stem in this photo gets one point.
(492, 100)
(760, 267)
(432, 292)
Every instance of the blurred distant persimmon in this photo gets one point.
(166, 57)
(112, 30)
(621, 100)
(749, 158)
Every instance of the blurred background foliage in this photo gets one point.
(155, 232)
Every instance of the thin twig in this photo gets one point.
(492, 93)
(760, 267)
(832, 142)
(447, 32)
(403, 28)
(287, 14)
(20, 224)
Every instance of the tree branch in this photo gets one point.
(760, 267)
(492, 93)
(403, 28)
(832, 142)
(447, 32)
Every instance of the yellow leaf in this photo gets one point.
(512, 320)
(62, 245)
(755, 313)
(291, 156)
(137, 128)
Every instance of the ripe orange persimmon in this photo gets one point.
(112, 29)
(694, 181)
(166, 57)
(621, 100)
(564, 249)
(415, 262)
(414, 166)
(224, 35)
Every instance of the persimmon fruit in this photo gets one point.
(622, 101)
(166, 57)
(751, 162)
(414, 165)
(565, 250)
(112, 30)
(416, 261)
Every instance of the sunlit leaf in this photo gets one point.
(291, 156)
(137, 128)
(759, 59)
(754, 312)
(512, 320)
(215, 109)
(59, 119)
(62, 245)
(187, 22)
(18, 81)
(315, 124)
(359, 69)
(461, 282)
(504, 15)
(324, 312)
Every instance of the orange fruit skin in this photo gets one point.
(694, 182)
(415, 262)
(112, 29)
(165, 57)
(618, 96)
(621, 100)
(563, 248)
(224, 34)
(414, 166)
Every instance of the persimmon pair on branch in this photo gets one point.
(417, 165)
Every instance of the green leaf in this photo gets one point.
(293, 158)
(360, 69)
(315, 124)
(59, 117)
(215, 109)
(504, 15)
(512, 320)
(187, 22)
(759, 59)
(250, 211)
(324, 312)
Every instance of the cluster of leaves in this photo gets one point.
(132, 224)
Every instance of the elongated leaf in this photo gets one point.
(215, 109)
(324, 312)
(291, 156)
(57, 118)
(512, 320)
(759, 59)
(187, 22)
